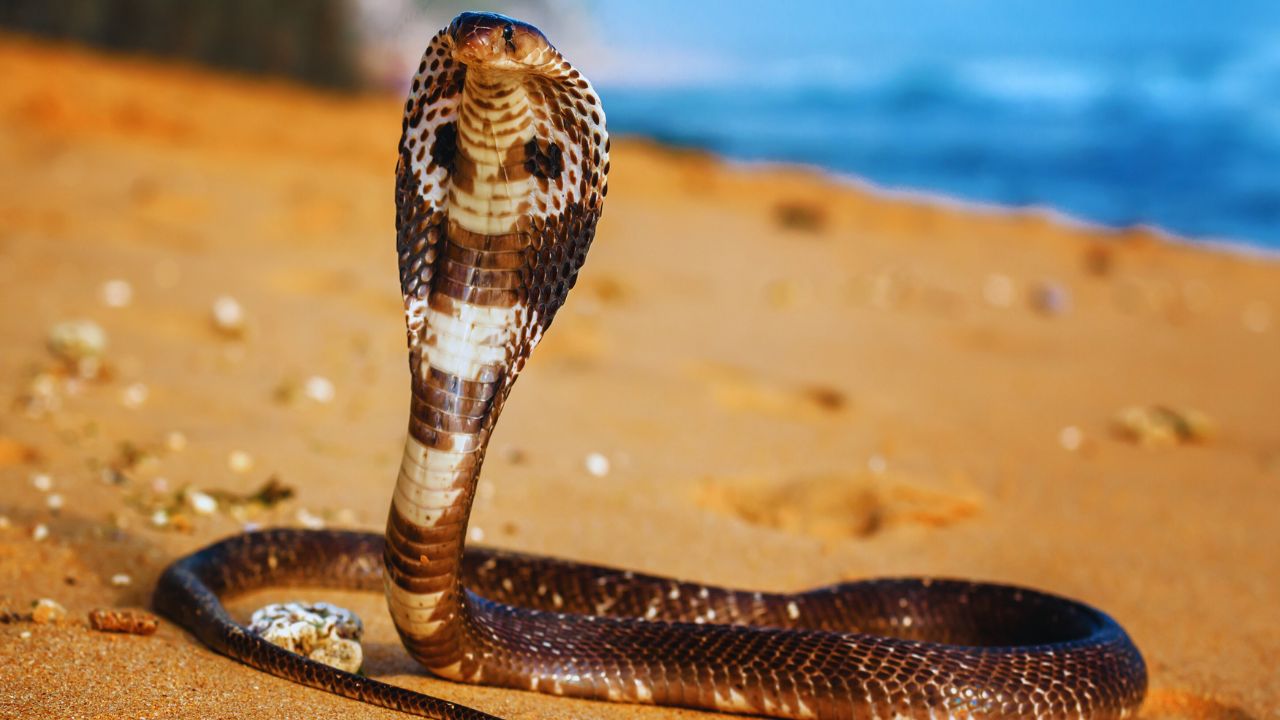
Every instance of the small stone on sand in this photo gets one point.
(319, 389)
(201, 503)
(597, 464)
(320, 631)
(1051, 298)
(309, 519)
(228, 316)
(877, 465)
(239, 461)
(134, 395)
(117, 293)
(77, 341)
(175, 441)
(45, 611)
(1071, 438)
(1157, 425)
(132, 622)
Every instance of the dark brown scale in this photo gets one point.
(445, 148)
(902, 647)
(543, 160)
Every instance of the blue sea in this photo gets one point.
(1157, 114)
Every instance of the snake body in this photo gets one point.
(500, 181)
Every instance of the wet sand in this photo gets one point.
(794, 382)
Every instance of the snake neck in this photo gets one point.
(490, 188)
(463, 359)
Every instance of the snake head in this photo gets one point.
(497, 42)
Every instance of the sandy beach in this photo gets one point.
(791, 381)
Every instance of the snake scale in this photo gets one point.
(500, 181)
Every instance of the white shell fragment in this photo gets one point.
(46, 611)
(597, 464)
(228, 316)
(79, 344)
(320, 631)
(117, 293)
(201, 503)
(239, 461)
(320, 389)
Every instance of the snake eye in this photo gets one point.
(506, 35)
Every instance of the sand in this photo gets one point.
(794, 382)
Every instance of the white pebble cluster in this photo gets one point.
(320, 631)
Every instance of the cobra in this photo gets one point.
(500, 182)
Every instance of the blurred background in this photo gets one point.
(1136, 113)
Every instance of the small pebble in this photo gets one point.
(319, 389)
(133, 622)
(25, 634)
(475, 534)
(309, 520)
(39, 532)
(160, 484)
(134, 395)
(45, 611)
(1161, 425)
(202, 503)
(323, 632)
(240, 461)
(160, 518)
(117, 293)
(121, 580)
(877, 464)
(1071, 438)
(1051, 298)
(78, 342)
(998, 290)
(597, 464)
(42, 482)
(228, 316)
(54, 501)
(175, 441)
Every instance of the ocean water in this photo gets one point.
(1175, 125)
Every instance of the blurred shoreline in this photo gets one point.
(1115, 124)
(978, 207)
